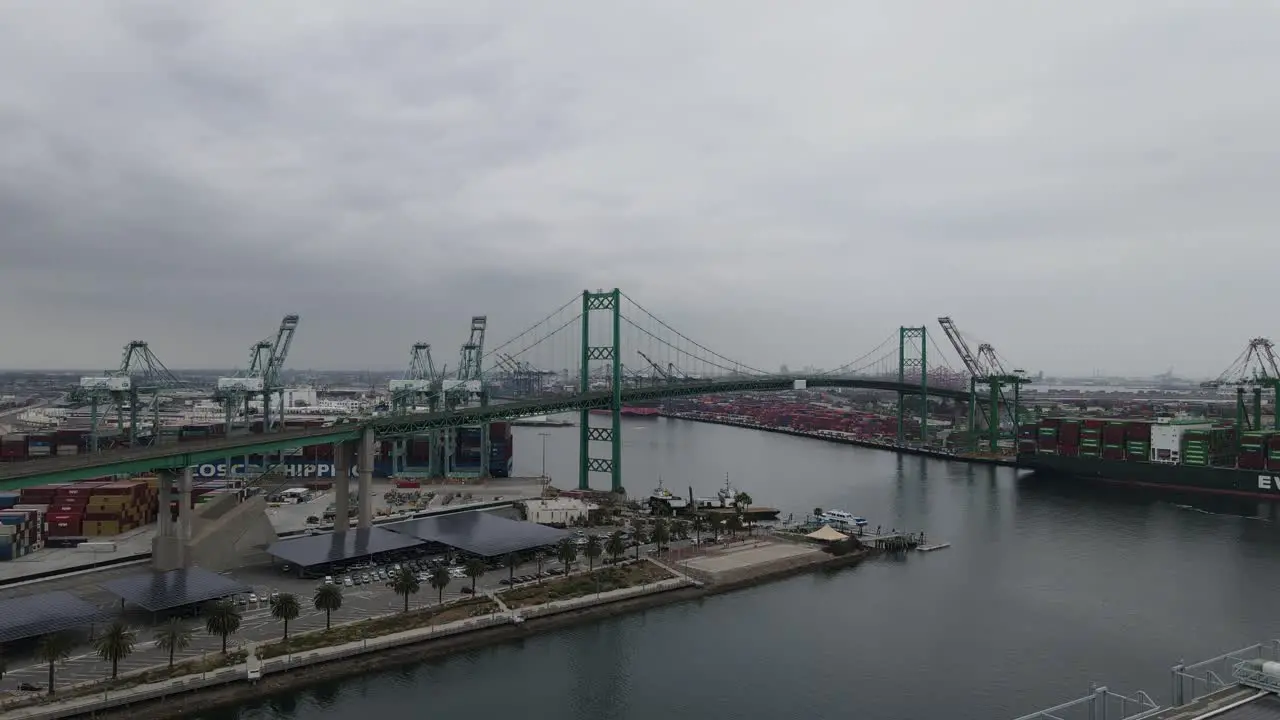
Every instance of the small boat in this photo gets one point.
(662, 499)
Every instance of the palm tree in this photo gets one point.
(286, 607)
(743, 501)
(512, 562)
(592, 551)
(407, 584)
(615, 546)
(474, 569)
(661, 532)
(540, 557)
(53, 649)
(440, 581)
(115, 644)
(173, 637)
(566, 552)
(733, 525)
(222, 617)
(327, 599)
(641, 538)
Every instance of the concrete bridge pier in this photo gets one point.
(169, 548)
(364, 484)
(341, 486)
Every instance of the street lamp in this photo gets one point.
(544, 436)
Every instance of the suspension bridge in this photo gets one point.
(599, 351)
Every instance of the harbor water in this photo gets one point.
(1046, 588)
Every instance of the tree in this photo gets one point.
(699, 524)
(616, 545)
(475, 568)
(733, 525)
(512, 561)
(440, 581)
(566, 552)
(115, 644)
(53, 649)
(171, 638)
(641, 538)
(540, 557)
(743, 501)
(680, 529)
(327, 599)
(406, 584)
(285, 607)
(661, 533)
(222, 618)
(592, 551)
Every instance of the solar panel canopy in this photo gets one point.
(311, 550)
(157, 591)
(34, 615)
(480, 533)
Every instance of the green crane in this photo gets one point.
(1255, 369)
(985, 368)
(140, 377)
(421, 384)
(262, 377)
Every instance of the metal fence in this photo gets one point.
(1192, 682)
(1100, 704)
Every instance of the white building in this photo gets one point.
(558, 511)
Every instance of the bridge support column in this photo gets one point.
(169, 546)
(907, 367)
(612, 303)
(341, 486)
(364, 485)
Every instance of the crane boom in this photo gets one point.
(962, 348)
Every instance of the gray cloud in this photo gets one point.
(1087, 185)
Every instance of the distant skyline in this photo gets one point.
(1084, 185)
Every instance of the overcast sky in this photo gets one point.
(1086, 184)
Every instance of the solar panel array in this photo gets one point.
(157, 591)
(481, 533)
(33, 615)
(311, 550)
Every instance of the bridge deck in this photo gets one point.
(135, 460)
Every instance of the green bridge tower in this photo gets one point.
(907, 366)
(610, 302)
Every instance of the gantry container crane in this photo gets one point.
(985, 368)
(1257, 369)
(140, 373)
(262, 377)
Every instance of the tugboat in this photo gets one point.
(664, 502)
(725, 503)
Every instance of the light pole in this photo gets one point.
(544, 436)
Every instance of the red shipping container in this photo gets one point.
(1094, 423)
(1138, 431)
(1049, 422)
(1274, 442)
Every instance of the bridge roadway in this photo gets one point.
(180, 455)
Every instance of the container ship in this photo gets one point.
(1185, 455)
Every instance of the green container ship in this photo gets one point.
(1183, 455)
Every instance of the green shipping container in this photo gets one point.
(1113, 447)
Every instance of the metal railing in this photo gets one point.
(1100, 704)
(1192, 682)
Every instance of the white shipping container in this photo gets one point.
(1166, 440)
(8, 530)
(39, 451)
(68, 450)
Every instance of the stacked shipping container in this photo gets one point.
(1194, 443)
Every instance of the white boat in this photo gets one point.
(840, 517)
(726, 497)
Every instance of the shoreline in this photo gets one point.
(175, 706)
(871, 444)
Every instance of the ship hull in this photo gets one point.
(1183, 478)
